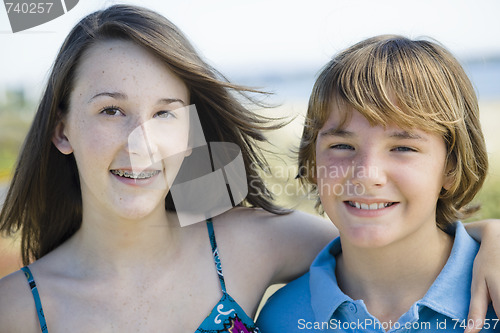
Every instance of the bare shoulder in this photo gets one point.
(284, 244)
(17, 308)
(256, 222)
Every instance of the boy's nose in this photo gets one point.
(369, 170)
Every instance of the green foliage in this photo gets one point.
(15, 119)
(489, 196)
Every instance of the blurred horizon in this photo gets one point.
(295, 86)
(251, 43)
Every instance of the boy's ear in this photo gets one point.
(448, 181)
(60, 140)
(449, 177)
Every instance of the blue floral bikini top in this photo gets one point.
(226, 316)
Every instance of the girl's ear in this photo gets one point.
(60, 140)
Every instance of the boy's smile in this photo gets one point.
(363, 207)
(378, 185)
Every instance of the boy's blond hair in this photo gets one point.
(412, 84)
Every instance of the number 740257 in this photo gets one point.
(485, 324)
(29, 7)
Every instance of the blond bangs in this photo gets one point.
(412, 84)
(391, 85)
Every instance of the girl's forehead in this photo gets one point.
(109, 52)
(118, 66)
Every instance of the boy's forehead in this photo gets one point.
(337, 113)
(340, 118)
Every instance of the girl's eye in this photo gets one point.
(342, 146)
(403, 149)
(164, 114)
(112, 111)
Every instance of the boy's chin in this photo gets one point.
(367, 236)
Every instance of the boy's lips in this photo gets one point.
(370, 206)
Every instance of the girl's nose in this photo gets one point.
(141, 146)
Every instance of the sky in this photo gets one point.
(259, 37)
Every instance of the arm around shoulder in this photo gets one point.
(299, 237)
(17, 308)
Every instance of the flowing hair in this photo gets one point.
(44, 200)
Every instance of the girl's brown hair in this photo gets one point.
(44, 199)
(413, 84)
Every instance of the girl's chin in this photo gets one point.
(139, 209)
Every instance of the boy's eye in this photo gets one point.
(112, 111)
(403, 149)
(164, 114)
(342, 146)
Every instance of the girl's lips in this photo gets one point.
(145, 174)
(143, 178)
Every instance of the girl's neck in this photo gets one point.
(391, 278)
(108, 245)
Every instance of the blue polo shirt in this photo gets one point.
(315, 303)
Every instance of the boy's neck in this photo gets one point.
(390, 279)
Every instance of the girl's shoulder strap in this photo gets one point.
(215, 254)
(36, 297)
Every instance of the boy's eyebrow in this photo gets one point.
(119, 95)
(334, 131)
(406, 135)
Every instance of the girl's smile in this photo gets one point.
(127, 127)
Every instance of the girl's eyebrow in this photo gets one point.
(171, 100)
(115, 95)
(119, 95)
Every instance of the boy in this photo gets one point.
(395, 150)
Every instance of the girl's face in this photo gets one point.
(379, 185)
(127, 127)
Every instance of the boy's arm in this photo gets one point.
(486, 277)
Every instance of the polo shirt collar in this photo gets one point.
(450, 292)
(448, 295)
(326, 295)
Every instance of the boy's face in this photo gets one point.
(379, 185)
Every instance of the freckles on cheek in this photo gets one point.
(95, 138)
(333, 168)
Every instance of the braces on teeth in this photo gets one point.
(135, 175)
